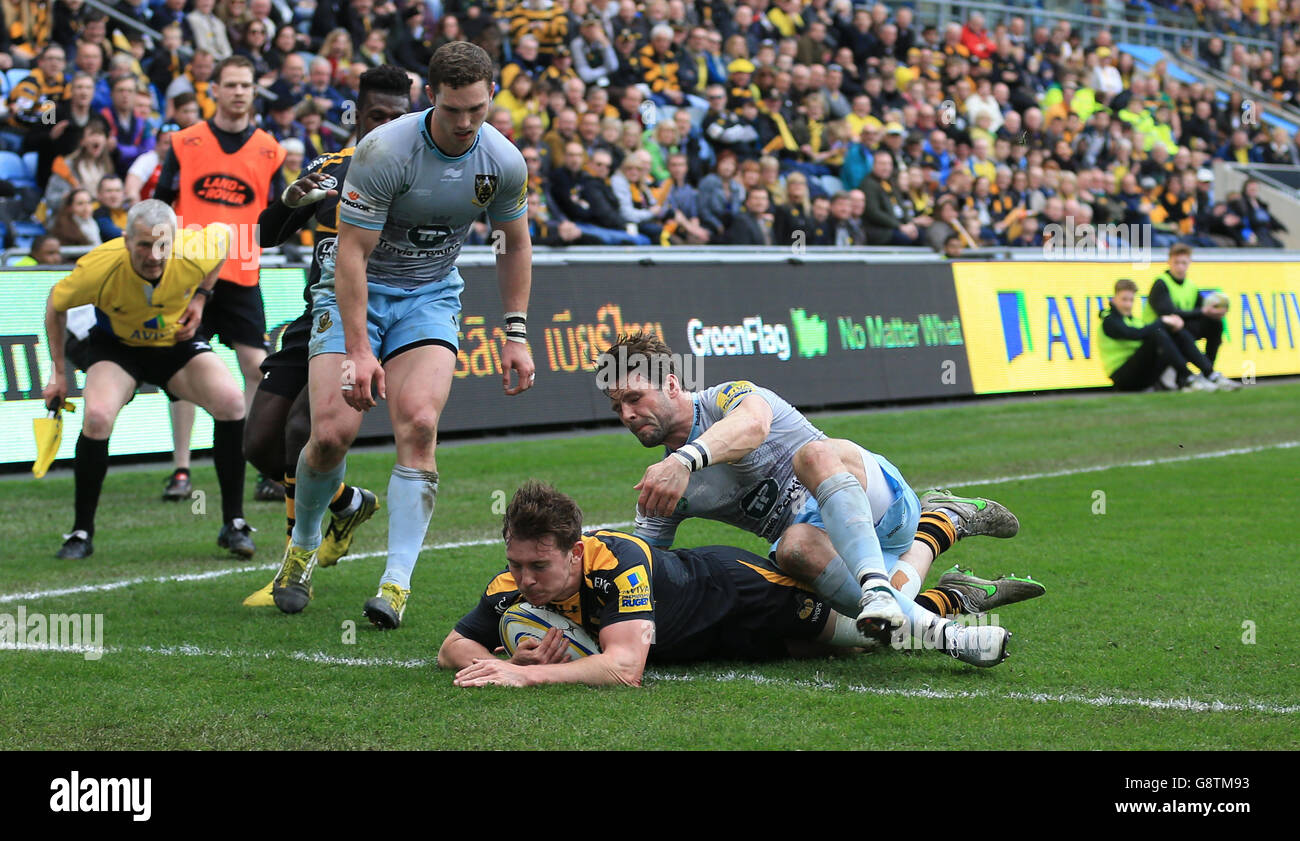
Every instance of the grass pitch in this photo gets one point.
(1165, 624)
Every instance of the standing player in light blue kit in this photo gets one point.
(386, 311)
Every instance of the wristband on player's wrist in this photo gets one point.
(694, 455)
(206, 293)
(517, 327)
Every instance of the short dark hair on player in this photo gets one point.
(234, 61)
(459, 64)
(640, 352)
(537, 510)
(1179, 248)
(1125, 285)
(384, 79)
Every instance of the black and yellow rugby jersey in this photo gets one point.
(286, 222)
(686, 595)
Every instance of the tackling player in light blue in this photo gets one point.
(740, 454)
(386, 311)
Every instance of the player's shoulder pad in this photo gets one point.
(503, 582)
(730, 394)
(329, 162)
(626, 548)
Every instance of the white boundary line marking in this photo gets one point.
(221, 573)
(33, 595)
(1190, 705)
(1175, 704)
(1150, 462)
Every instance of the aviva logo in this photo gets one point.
(1015, 324)
(1071, 324)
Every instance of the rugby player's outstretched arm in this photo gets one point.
(740, 432)
(624, 648)
(354, 246)
(459, 651)
(732, 438)
(514, 250)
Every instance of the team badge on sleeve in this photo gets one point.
(733, 394)
(634, 590)
(485, 187)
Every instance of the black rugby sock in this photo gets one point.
(88, 473)
(228, 457)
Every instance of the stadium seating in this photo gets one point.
(15, 75)
(15, 171)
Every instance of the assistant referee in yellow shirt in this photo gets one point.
(149, 289)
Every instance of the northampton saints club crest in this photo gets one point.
(485, 187)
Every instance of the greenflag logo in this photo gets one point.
(809, 333)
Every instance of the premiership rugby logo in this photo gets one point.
(223, 189)
(485, 187)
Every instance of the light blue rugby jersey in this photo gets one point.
(758, 493)
(423, 201)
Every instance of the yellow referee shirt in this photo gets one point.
(137, 312)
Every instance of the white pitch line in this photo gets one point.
(1150, 462)
(1172, 704)
(967, 483)
(221, 573)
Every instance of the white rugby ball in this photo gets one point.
(524, 620)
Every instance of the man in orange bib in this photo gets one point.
(224, 170)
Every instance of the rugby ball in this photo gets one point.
(523, 620)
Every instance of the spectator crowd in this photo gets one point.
(744, 122)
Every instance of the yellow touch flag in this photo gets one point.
(49, 436)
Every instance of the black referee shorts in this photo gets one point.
(285, 372)
(235, 315)
(147, 365)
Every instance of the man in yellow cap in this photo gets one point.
(739, 75)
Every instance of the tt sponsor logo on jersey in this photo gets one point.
(795, 491)
(759, 500)
(428, 236)
(751, 337)
(225, 190)
(90, 794)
